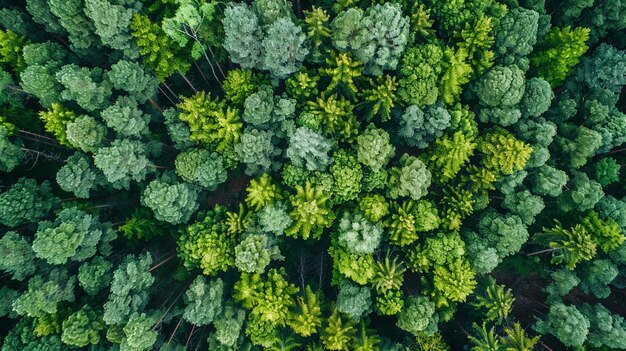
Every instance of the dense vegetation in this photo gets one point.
(328, 175)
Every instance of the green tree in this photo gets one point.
(515, 36)
(56, 120)
(170, 200)
(255, 253)
(420, 128)
(88, 87)
(11, 153)
(207, 244)
(306, 318)
(45, 293)
(199, 166)
(418, 316)
(77, 176)
(420, 70)
(571, 246)
(210, 121)
(95, 275)
(383, 33)
(558, 52)
(338, 333)
(447, 155)
(129, 287)
(138, 333)
(310, 212)
(111, 23)
(82, 328)
(411, 179)
(308, 149)
(85, 133)
(353, 300)
(124, 160)
(203, 301)
(18, 258)
(497, 302)
(74, 235)
(165, 58)
(131, 77)
(566, 323)
(502, 152)
(26, 202)
(358, 235)
(605, 328)
(283, 48)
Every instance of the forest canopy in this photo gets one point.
(351, 175)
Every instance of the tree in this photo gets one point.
(353, 300)
(310, 212)
(210, 121)
(374, 149)
(606, 171)
(131, 77)
(537, 98)
(138, 333)
(347, 174)
(420, 128)
(203, 301)
(283, 48)
(11, 45)
(338, 333)
(332, 116)
(505, 233)
(262, 191)
(274, 218)
(576, 145)
(26, 202)
(447, 155)
(582, 194)
(420, 70)
(10, 153)
(241, 83)
(111, 23)
(411, 179)
(255, 253)
(228, 325)
(418, 316)
(502, 152)
(515, 36)
(558, 52)
(165, 58)
(308, 149)
(242, 35)
(85, 133)
(199, 166)
(87, 87)
(74, 235)
(381, 97)
(605, 328)
(358, 235)
(524, 204)
(455, 281)
(18, 258)
(256, 150)
(373, 207)
(124, 160)
(382, 35)
(409, 218)
(572, 245)
(207, 244)
(129, 287)
(595, 277)
(306, 318)
(499, 91)
(566, 323)
(170, 200)
(44, 293)
(77, 176)
(82, 328)
(497, 301)
(95, 275)
(56, 120)
(125, 117)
